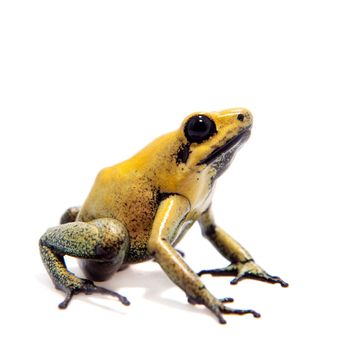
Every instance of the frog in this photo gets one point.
(141, 208)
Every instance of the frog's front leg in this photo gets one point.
(170, 214)
(242, 264)
(102, 243)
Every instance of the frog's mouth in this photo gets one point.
(230, 145)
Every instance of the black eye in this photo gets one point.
(199, 128)
(240, 117)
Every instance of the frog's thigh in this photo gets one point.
(101, 243)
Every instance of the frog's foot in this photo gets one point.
(219, 308)
(246, 270)
(88, 287)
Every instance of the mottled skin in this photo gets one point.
(141, 208)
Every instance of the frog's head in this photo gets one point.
(212, 139)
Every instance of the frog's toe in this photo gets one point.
(274, 280)
(66, 301)
(225, 271)
(102, 290)
(227, 310)
(259, 276)
(282, 283)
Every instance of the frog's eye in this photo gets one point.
(199, 128)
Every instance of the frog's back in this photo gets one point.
(129, 196)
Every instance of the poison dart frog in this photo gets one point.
(141, 208)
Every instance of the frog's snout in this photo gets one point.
(239, 116)
(245, 117)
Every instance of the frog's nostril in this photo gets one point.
(240, 117)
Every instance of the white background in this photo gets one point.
(86, 84)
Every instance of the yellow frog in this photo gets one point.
(141, 208)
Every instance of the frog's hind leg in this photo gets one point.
(102, 243)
